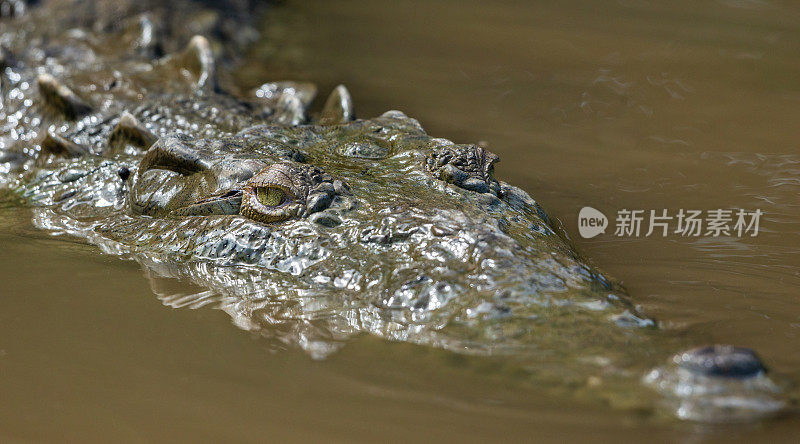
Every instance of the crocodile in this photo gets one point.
(120, 127)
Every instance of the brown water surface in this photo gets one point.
(626, 104)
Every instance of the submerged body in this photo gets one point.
(325, 227)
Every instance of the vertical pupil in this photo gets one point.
(270, 196)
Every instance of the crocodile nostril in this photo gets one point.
(721, 361)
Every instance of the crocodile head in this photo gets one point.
(315, 233)
(373, 214)
(253, 176)
(315, 230)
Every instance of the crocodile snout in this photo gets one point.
(718, 383)
(723, 361)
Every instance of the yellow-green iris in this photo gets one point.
(270, 196)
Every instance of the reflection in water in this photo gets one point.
(307, 291)
(558, 338)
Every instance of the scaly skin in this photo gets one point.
(314, 230)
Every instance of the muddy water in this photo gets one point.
(625, 105)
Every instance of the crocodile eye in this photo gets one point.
(270, 196)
